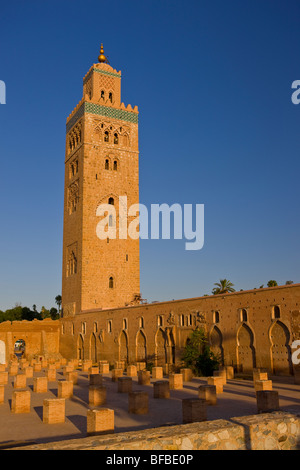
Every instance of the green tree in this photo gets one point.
(198, 356)
(223, 287)
(272, 284)
(58, 301)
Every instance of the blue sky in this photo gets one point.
(217, 127)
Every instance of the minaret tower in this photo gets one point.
(101, 164)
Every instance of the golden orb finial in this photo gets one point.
(102, 58)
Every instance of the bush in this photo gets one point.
(198, 356)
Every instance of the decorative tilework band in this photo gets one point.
(98, 109)
(103, 72)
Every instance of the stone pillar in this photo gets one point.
(124, 384)
(97, 395)
(222, 374)
(115, 374)
(54, 410)
(267, 401)
(72, 376)
(65, 389)
(100, 421)
(20, 381)
(131, 371)
(95, 379)
(138, 403)
(2, 394)
(29, 372)
(104, 368)
(94, 370)
(20, 402)
(217, 381)
(263, 385)
(3, 378)
(37, 367)
(40, 384)
(144, 377)
(161, 389)
(258, 374)
(176, 381)
(157, 373)
(208, 393)
(193, 410)
(51, 375)
(187, 374)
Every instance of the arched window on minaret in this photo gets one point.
(111, 282)
(106, 136)
(116, 138)
(107, 164)
(115, 165)
(110, 97)
(111, 201)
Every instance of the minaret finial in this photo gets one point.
(102, 58)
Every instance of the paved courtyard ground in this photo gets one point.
(238, 399)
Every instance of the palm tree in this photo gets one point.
(223, 287)
(58, 302)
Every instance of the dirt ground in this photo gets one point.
(238, 399)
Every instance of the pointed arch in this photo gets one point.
(216, 343)
(123, 347)
(246, 355)
(80, 347)
(160, 348)
(141, 347)
(280, 350)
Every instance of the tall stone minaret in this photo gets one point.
(101, 165)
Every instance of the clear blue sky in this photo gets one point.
(217, 126)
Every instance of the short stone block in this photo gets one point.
(37, 367)
(208, 393)
(259, 375)
(161, 389)
(95, 379)
(2, 388)
(54, 410)
(20, 402)
(157, 373)
(3, 378)
(187, 374)
(140, 366)
(263, 385)
(29, 372)
(217, 381)
(104, 368)
(267, 401)
(2, 367)
(193, 410)
(51, 375)
(13, 369)
(94, 370)
(176, 381)
(40, 384)
(124, 384)
(72, 376)
(222, 374)
(115, 374)
(67, 369)
(144, 377)
(20, 381)
(86, 365)
(97, 395)
(229, 372)
(100, 421)
(138, 403)
(64, 389)
(131, 371)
